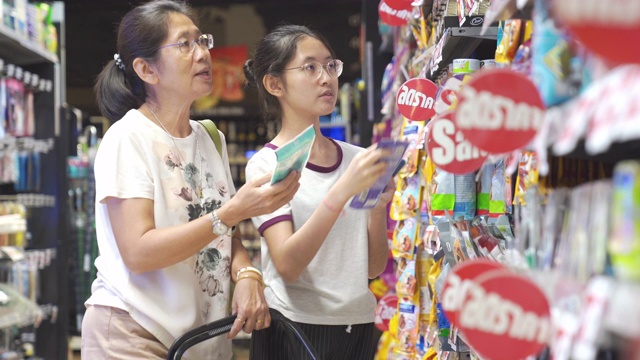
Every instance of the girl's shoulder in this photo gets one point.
(262, 159)
(348, 150)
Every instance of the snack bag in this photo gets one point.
(484, 189)
(624, 245)
(407, 198)
(443, 194)
(408, 325)
(551, 58)
(404, 236)
(522, 59)
(411, 131)
(386, 344)
(528, 175)
(509, 40)
(500, 200)
(407, 282)
(465, 196)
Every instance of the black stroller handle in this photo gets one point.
(223, 326)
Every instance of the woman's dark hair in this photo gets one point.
(140, 34)
(272, 54)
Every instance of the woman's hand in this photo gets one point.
(250, 307)
(254, 199)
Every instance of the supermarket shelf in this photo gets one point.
(620, 151)
(16, 310)
(22, 51)
(622, 299)
(460, 42)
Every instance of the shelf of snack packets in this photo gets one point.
(515, 223)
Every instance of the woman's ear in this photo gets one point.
(273, 85)
(146, 72)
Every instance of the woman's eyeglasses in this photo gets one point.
(313, 69)
(205, 41)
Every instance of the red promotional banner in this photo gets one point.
(455, 287)
(499, 110)
(392, 16)
(416, 98)
(505, 316)
(448, 148)
(399, 4)
(604, 27)
(385, 310)
(446, 95)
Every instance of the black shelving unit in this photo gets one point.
(47, 225)
(462, 42)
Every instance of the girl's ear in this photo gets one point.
(273, 85)
(146, 71)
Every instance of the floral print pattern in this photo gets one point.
(211, 268)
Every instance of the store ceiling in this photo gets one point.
(91, 24)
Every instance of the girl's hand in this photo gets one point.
(250, 306)
(364, 170)
(385, 197)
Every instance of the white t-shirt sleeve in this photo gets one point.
(122, 166)
(264, 161)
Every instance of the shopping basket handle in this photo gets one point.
(223, 326)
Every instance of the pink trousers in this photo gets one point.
(111, 333)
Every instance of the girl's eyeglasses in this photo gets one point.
(205, 41)
(313, 69)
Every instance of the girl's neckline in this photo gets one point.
(315, 167)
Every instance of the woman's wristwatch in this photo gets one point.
(219, 228)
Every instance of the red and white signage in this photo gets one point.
(385, 310)
(416, 99)
(605, 27)
(448, 148)
(504, 316)
(457, 284)
(393, 16)
(447, 96)
(399, 4)
(499, 110)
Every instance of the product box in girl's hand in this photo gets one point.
(294, 154)
(369, 198)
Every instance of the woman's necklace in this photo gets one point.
(201, 170)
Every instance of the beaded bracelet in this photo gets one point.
(248, 268)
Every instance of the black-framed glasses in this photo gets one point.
(313, 69)
(205, 41)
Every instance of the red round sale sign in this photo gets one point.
(598, 24)
(387, 307)
(505, 316)
(499, 111)
(416, 98)
(448, 148)
(457, 283)
(393, 16)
